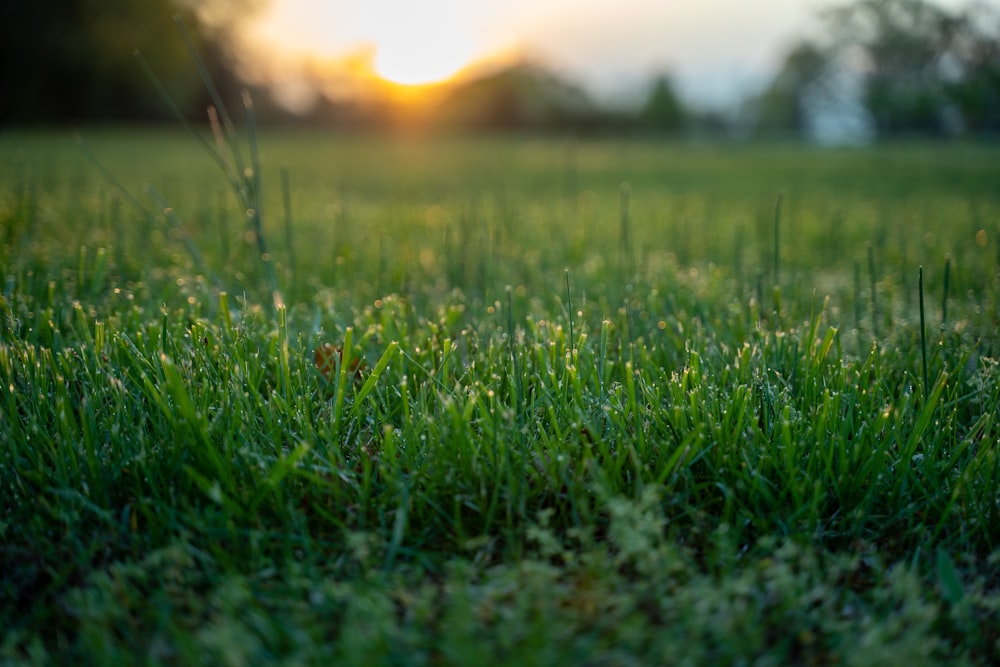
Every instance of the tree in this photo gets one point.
(975, 87)
(521, 96)
(662, 110)
(788, 103)
(910, 67)
(71, 60)
(900, 49)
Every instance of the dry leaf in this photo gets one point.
(328, 358)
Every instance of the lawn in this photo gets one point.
(498, 400)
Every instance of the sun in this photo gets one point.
(408, 45)
(420, 54)
(401, 64)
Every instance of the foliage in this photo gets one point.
(663, 109)
(902, 44)
(521, 96)
(976, 93)
(916, 68)
(72, 60)
(787, 104)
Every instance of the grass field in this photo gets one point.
(523, 401)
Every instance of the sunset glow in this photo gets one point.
(400, 63)
(409, 44)
(413, 57)
(716, 50)
(340, 47)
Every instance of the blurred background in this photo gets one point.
(836, 72)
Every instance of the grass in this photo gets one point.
(516, 407)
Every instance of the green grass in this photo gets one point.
(588, 428)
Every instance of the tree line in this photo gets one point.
(909, 67)
(891, 67)
(68, 61)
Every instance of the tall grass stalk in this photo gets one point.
(871, 289)
(923, 333)
(625, 219)
(230, 134)
(944, 295)
(778, 204)
(255, 213)
(857, 304)
(570, 314)
(286, 201)
(245, 181)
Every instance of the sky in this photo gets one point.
(716, 50)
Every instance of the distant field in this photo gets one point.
(528, 401)
(415, 214)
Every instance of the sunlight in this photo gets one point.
(409, 44)
(341, 47)
(418, 43)
(414, 59)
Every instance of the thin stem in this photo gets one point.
(255, 214)
(286, 200)
(206, 78)
(569, 308)
(871, 284)
(626, 224)
(213, 151)
(777, 237)
(923, 334)
(944, 298)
